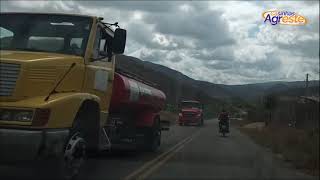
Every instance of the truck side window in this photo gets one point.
(76, 42)
(100, 44)
(5, 38)
(76, 45)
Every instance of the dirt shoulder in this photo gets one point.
(298, 147)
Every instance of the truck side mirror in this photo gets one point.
(119, 41)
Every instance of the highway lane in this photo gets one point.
(210, 156)
(114, 165)
(186, 153)
(118, 165)
(196, 153)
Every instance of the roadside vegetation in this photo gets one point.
(299, 147)
(172, 117)
(290, 129)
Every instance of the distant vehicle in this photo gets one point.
(224, 129)
(191, 113)
(62, 94)
(224, 122)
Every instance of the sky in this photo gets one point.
(225, 42)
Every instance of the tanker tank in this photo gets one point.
(131, 94)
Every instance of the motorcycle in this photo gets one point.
(224, 129)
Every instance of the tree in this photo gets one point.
(269, 103)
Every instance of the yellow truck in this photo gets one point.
(61, 95)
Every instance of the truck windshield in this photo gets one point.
(63, 34)
(190, 105)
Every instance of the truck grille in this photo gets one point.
(8, 76)
(188, 114)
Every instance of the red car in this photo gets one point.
(191, 113)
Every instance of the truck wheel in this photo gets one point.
(74, 157)
(76, 148)
(153, 137)
(223, 134)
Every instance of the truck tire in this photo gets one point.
(223, 134)
(77, 145)
(74, 157)
(153, 137)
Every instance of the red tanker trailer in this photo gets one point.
(132, 94)
(134, 118)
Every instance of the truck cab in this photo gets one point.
(61, 94)
(191, 113)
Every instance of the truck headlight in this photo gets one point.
(4, 115)
(25, 116)
(16, 115)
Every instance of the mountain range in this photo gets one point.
(178, 86)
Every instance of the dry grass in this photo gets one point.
(237, 123)
(299, 147)
(169, 116)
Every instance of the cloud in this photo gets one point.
(221, 42)
(221, 53)
(207, 29)
(145, 6)
(166, 55)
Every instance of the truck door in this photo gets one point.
(99, 72)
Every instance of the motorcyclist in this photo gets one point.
(223, 118)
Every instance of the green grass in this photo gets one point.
(171, 108)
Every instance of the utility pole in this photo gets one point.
(178, 89)
(307, 84)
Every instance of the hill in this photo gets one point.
(178, 86)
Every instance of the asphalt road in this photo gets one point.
(186, 153)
